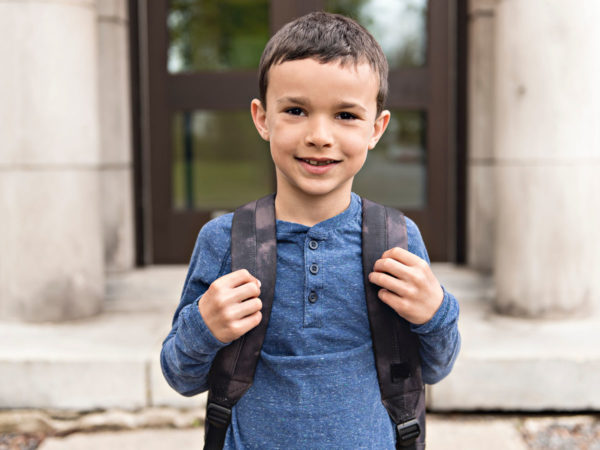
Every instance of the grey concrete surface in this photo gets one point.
(445, 433)
(515, 364)
(116, 185)
(128, 440)
(170, 428)
(112, 360)
(442, 434)
(50, 233)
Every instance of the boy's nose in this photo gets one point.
(319, 133)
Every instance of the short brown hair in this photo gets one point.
(325, 37)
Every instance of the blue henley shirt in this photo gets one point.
(315, 384)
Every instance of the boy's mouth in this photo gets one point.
(318, 162)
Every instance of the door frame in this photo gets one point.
(439, 89)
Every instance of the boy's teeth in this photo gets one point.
(318, 163)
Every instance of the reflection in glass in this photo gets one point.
(400, 26)
(219, 161)
(395, 173)
(216, 34)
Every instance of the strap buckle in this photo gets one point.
(218, 416)
(407, 432)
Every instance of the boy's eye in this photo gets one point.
(346, 116)
(294, 111)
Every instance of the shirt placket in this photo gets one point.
(314, 268)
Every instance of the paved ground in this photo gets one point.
(513, 364)
(445, 432)
(112, 360)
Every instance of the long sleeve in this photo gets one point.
(190, 347)
(439, 337)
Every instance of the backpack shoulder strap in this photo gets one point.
(254, 248)
(395, 347)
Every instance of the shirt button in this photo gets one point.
(314, 269)
(313, 297)
(313, 245)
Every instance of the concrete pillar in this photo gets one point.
(51, 265)
(116, 188)
(481, 209)
(547, 151)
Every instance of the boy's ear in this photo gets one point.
(259, 116)
(379, 127)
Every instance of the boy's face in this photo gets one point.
(320, 122)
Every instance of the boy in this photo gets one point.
(323, 83)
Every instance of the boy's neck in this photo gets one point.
(309, 210)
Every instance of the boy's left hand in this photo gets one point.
(409, 286)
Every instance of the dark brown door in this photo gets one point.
(201, 155)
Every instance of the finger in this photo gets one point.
(402, 255)
(390, 283)
(249, 322)
(245, 291)
(398, 304)
(244, 309)
(237, 278)
(393, 267)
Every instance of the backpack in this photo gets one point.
(396, 348)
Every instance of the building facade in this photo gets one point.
(124, 126)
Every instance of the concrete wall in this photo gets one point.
(65, 160)
(50, 237)
(534, 161)
(116, 176)
(480, 167)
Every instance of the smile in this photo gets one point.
(318, 162)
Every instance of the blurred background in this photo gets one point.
(125, 126)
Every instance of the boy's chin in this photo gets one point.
(324, 192)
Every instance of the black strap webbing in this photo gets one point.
(254, 247)
(396, 348)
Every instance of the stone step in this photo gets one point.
(112, 360)
(514, 364)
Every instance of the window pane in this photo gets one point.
(395, 173)
(219, 161)
(216, 34)
(400, 26)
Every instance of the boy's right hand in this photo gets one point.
(231, 307)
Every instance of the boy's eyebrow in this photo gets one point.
(304, 102)
(298, 100)
(349, 105)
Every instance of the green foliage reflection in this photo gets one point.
(395, 173)
(400, 26)
(216, 34)
(219, 161)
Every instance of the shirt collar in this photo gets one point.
(323, 229)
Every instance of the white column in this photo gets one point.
(547, 151)
(115, 135)
(51, 265)
(481, 209)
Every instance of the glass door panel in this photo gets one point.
(198, 60)
(399, 26)
(219, 161)
(216, 34)
(396, 169)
